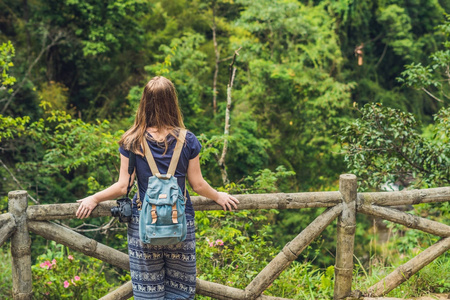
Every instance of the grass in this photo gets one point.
(433, 278)
(5, 272)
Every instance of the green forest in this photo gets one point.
(284, 96)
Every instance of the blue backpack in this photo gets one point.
(162, 218)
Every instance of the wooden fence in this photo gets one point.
(342, 204)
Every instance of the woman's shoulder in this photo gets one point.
(189, 133)
(124, 151)
(193, 144)
(191, 137)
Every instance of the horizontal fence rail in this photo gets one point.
(342, 205)
(254, 201)
(7, 227)
(50, 212)
(412, 197)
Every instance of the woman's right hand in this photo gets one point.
(87, 205)
(226, 201)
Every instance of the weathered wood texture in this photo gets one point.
(406, 219)
(290, 252)
(441, 194)
(5, 218)
(125, 291)
(80, 243)
(405, 271)
(20, 247)
(219, 291)
(260, 201)
(50, 212)
(255, 201)
(278, 201)
(7, 227)
(345, 237)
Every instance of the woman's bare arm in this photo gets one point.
(116, 190)
(201, 187)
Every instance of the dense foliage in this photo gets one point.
(322, 88)
(297, 75)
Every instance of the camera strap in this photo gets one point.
(131, 165)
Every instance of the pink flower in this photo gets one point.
(53, 262)
(77, 278)
(71, 280)
(219, 243)
(46, 265)
(70, 257)
(211, 244)
(49, 282)
(66, 284)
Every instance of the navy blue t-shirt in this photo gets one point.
(190, 150)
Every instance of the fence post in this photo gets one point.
(20, 247)
(346, 225)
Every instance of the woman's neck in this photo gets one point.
(158, 134)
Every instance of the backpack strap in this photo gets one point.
(170, 172)
(177, 152)
(175, 157)
(150, 160)
(173, 166)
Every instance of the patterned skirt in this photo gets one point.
(162, 272)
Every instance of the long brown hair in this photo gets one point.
(158, 108)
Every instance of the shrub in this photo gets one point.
(233, 248)
(60, 274)
(5, 272)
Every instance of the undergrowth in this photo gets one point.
(232, 248)
(404, 244)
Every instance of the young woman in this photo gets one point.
(160, 272)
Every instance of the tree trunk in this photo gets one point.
(217, 61)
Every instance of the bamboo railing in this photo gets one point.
(343, 205)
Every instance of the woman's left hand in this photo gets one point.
(227, 201)
(87, 205)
